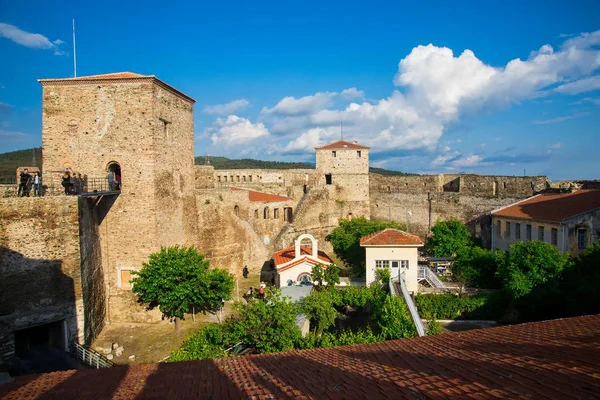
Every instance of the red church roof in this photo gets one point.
(551, 360)
(391, 237)
(287, 255)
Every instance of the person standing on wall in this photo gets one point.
(24, 181)
(111, 180)
(245, 271)
(66, 182)
(36, 184)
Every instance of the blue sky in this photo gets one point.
(445, 87)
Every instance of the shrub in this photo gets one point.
(392, 319)
(448, 306)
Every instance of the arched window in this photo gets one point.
(236, 210)
(113, 176)
(266, 213)
(305, 279)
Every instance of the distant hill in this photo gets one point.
(20, 158)
(248, 163)
(10, 161)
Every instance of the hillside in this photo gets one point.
(10, 161)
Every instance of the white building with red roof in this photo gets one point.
(393, 249)
(569, 221)
(294, 264)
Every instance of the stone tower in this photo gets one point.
(143, 127)
(343, 168)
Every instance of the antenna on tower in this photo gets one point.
(207, 159)
(74, 52)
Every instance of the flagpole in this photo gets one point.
(74, 52)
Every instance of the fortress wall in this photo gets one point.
(231, 241)
(396, 206)
(204, 176)
(40, 274)
(503, 186)
(282, 177)
(404, 184)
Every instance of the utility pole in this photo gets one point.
(74, 52)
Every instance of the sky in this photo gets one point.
(498, 87)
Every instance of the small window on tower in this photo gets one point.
(358, 154)
(333, 154)
(328, 179)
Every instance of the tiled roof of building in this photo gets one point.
(553, 206)
(551, 360)
(390, 237)
(287, 255)
(115, 77)
(341, 144)
(262, 197)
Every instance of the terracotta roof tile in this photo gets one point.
(553, 360)
(287, 255)
(390, 237)
(114, 75)
(263, 197)
(341, 144)
(553, 207)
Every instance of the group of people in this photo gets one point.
(72, 183)
(259, 293)
(114, 179)
(27, 182)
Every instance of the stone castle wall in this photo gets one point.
(40, 274)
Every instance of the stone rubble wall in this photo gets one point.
(40, 273)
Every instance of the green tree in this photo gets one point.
(393, 320)
(383, 276)
(345, 240)
(267, 326)
(332, 275)
(320, 310)
(527, 265)
(476, 267)
(317, 274)
(449, 238)
(178, 278)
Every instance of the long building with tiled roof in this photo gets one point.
(556, 359)
(569, 221)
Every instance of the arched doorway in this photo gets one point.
(113, 176)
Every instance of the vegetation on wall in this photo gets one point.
(178, 280)
(345, 240)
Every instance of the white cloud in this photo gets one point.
(580, 86)
(31, 40)
(556, 146)
(304, 105)
(351, 93)
(14, 136)
(227, 108)
(468, 161)
(436, 89)
(234, 130)
(559, 119)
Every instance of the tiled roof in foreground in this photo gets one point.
(554, 359)
(391, 237)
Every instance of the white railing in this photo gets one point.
(409, 303)
(91, 357)
(426, 273)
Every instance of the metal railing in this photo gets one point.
(426, 273)
(409, 303)
(91, 357)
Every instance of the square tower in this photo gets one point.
(343, 168)
(142, 128)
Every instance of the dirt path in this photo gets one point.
(154, 342)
